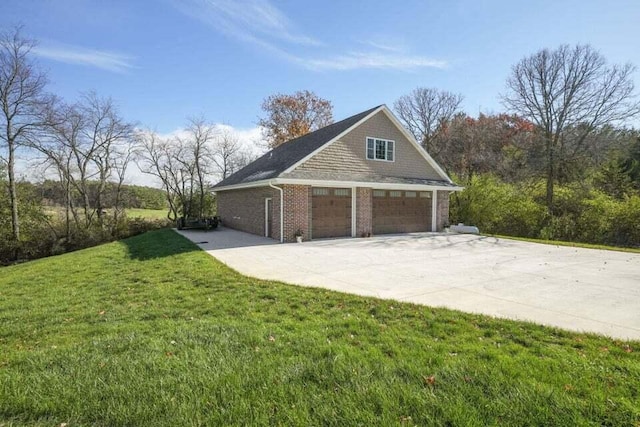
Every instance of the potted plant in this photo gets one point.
(299, 233)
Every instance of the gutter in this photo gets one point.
(340, 184)
(281, 210)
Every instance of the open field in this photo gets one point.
(131, 213)
(147, 213)
(152, 331)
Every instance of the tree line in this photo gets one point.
(86, 149)
(561, 163)
(130, 196)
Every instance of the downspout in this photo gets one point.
(281, 210)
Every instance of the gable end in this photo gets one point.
(348, 153)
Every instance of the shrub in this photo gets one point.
(594, 223)
(581, 214)
(625, 229)
(47, 237)
(497, 207)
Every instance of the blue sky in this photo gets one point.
(164, 60)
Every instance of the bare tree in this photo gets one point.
(228, 155)
(154, 157)
(105, 136)
(200, 136)
(291, 116)
(64, 126)
(123, 154)
(181, 165)
(21, 98)
(184, 164)
(569, 93)
(424, 112)
(87, 144)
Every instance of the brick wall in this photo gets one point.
(244, 209)
(364, 212)
(297, 211)
(442, 209)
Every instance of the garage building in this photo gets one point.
(365, 175)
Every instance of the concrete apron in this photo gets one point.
(572, 288)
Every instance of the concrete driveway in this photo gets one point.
(572, 288)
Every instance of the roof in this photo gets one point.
(281, 158)
(279, 166)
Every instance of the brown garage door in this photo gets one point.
(401, 211)
(330, 212)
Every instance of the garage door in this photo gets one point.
(330, 212)
(401, 211)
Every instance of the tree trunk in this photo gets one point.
(13, 196)
(172, 215)
(67, 213)
(98, 206)
(550, 174)
(85, 205)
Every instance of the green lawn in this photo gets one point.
(147, 213)
(570, 244)
(150, 331)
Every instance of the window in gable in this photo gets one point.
(370, 148)
(380, 149)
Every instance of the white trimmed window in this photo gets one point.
(380, 149)
(425, 194)
(341, 192)
(410, 194)
(395, 193)
(320, 191)
(379, 193)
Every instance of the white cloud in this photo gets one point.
(110, 61)
(260, 23)
(248, 20)
(249, 138)
(385, 45)
(358, 60)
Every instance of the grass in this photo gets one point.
(570, 244)
(152, 331)
(131, 213)
(147, 213)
